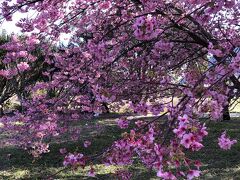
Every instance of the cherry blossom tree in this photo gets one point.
(16, 86)
(152, 55)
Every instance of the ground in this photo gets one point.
(18, 164)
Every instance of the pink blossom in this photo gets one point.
(198, 164)
(91, 172)
(164, 47)
(87, 143)
(180, 131)
(32, 40)
(105, 5)
(138, 33)
(70, 159)
(144, 28)
(139, 123)
(166, 175)
(124, 174)
(63, 150)
(202, 132)
(23, 54)
(39, 148)
(192, 174)
(187, 140)
(23, 66)
(5, 73)
(183, 119)
(123, 123)
(196, 146)
(75, 116)
(76, 159)
(224, 142)
(140, 21)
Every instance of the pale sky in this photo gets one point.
(10, 26)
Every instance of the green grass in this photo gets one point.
(18, 164)
(220, 164)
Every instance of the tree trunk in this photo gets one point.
(106, 108)
(226, 113)
(1, 111)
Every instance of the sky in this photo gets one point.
(10, 27)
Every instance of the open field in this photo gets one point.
(18, 164)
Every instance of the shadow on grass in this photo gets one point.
(218, 164)
(16, 163)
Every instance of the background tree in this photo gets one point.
(17, 85)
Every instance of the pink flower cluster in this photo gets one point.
(91, 172)
(214, 51)
(235, 63)
(63, 150)
(17, 57)
(74, 160)
(192, 174)
(123, 123)
(190, 134)
(153, 155)
(23, 66)
(166, 175)
(164, 47)
(224, 142)
(122, 155)
(86, 144)
(177, 163)
(144, 28)
(123, 174)
(156, 109)
(5, 73)
(39, 148)
(47, 127)
(217, 103)
(141, 108)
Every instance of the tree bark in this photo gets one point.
(226, 113)
(1, 111)
(106, 108)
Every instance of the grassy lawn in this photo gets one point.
(18, 164)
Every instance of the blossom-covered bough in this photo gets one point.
(23, 75)
(134, 52)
